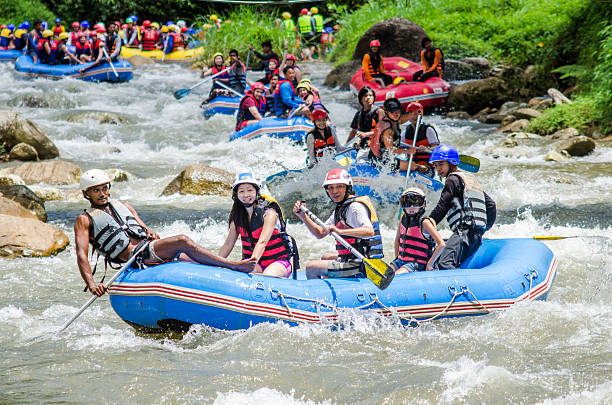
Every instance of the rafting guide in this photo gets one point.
(115, 231)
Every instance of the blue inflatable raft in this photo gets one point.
(292, 128)
(173, 296)
(221, 105)
(9, 55)
(102, 73)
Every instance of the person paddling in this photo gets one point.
(252, 107)
(354, 218)
(259, 221)
(115, 231)
(426, 140)
(470, 211)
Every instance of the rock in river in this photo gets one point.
(200, 180)
(29, 237)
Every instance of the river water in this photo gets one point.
(552, 352)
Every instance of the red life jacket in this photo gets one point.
(413, 245)
(277, 91)
(278, 245)
(83, 49)
(370, 247)
(58, 30)
(149, 39)
(74, 38)
(322, 142)
(376, 145)
(421, 158)
(178, 41)
(244, 114)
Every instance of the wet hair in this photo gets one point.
(364, 90)
(273, 75)
(233, 51)
(287, 68)
(36, 22)
(424, 41)
(266, 43)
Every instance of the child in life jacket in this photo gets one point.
(322, 138)
(417, 242)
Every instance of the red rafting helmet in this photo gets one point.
(290, 57)
(258, 86)
(304, 11)
(414, 106)
(76, 24)
(146, 23)
(123, 26)
(3, 26)
(319, 114)
(183, 29)
(375, 42)
(101, 29)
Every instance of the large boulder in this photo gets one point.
(24, 152)
(29, 237)
(15, 129)
(576, 146)
(13, 209)
(478, 94)
(103, 117)
(565, 133)
(139, 60)
(10, 180)
(526, 113)
(458, 70)
(56, 172)
(397, 36)
(201, 180)
(341, 75)
(515, 126)
(27, 199)
(47, 193)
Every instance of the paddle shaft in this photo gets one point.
(109, 61)
(416, 133)
(208, 78)
(246, 67)
(110, 281)
(230, 89)
(339, 238)
(165, 46)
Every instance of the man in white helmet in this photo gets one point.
(354, 218)
(116, 231)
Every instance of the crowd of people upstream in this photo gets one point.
(55, 45)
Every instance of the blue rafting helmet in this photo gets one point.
(191, 31)
(25, 25)
(444, 152)
(45, 25)
(169, 23)
(85, 24)
(134, 18)
(11, 27)
(58, 20)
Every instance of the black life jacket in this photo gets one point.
(421, 158)
(364, 123)
(430, 57)
(323, 142)
(375, 60)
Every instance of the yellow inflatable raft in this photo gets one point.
(177, 56)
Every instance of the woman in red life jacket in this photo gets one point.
(83, 49)
(270, 70)
(149, 37)
(259, 222)
(417, 242)
(218, 66)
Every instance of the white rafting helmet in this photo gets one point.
(93, 177)
(181, 23)
(246, 178)
(338, 176)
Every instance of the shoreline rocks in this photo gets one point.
(55, 172)
(29, 237)
(16, 130)
(200, 180)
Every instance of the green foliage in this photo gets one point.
(245, 27)
(577, 115)
(17, 11)
(508, 30)
(573, 71)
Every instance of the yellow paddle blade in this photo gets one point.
(551, 237)
(345, 161)
(379, 272)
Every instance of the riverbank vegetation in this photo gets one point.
(17, 11)
(569, 41)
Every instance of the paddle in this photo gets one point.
(183, 92)
(230, 89)
(567, 237)
(414, 139)
(246, 67)
(296, 110)
(165, 46)
(379, 272)
(110, 281)
(109, 61)
(469, 163)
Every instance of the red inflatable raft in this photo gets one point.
(431, 93)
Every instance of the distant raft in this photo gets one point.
(293, 128)
(176, 295)
(431, 93)
(102, 73)
(221, 105)
(9, 55)
(187, 55)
